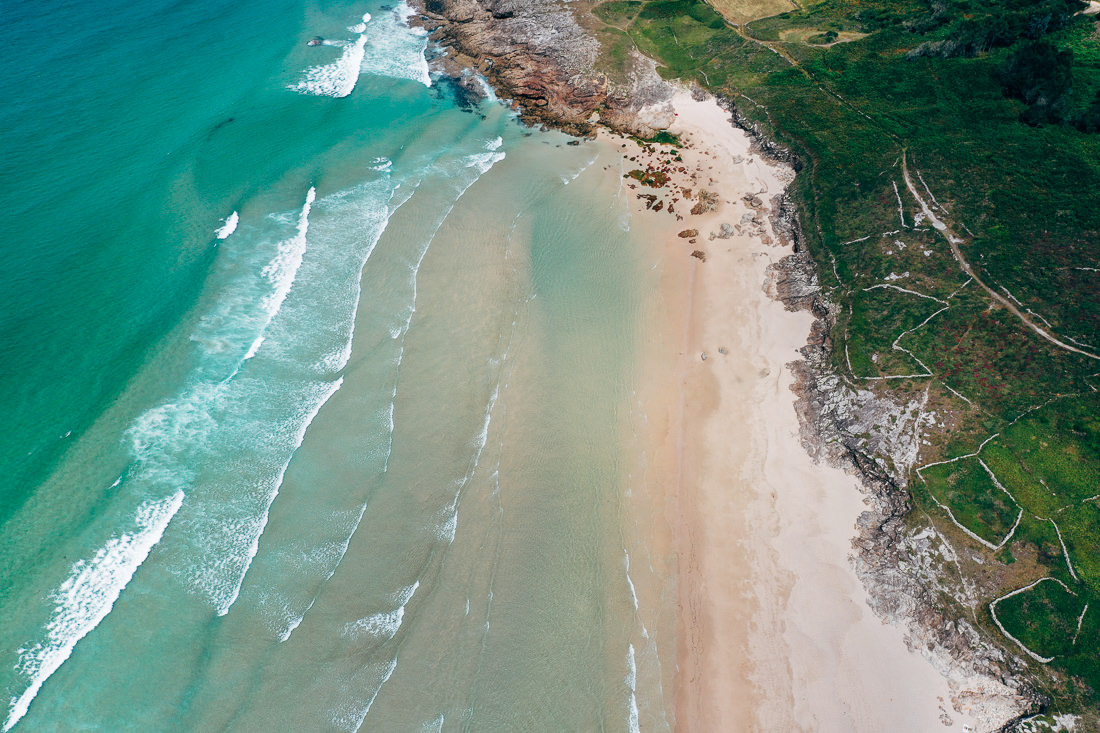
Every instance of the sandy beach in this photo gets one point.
(774, 632)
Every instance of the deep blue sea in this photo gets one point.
(317, 386)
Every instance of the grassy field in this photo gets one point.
(976, 501)
(986, 106)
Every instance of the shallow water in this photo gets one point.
(320, 387)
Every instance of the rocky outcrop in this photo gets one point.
(910, 574)
(536, 54)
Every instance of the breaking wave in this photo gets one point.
(88, 595)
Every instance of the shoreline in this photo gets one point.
(775, 632)
(891, 563)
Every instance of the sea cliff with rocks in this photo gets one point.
(540, 55)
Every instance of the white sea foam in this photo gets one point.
(570, 177)
(220, 423)
(86, 597)
(254, 528)
(280, 273)
(315, 320)
(361, 26)
(631, 682)
(282, 270)
(630, 582)
(405, 595)
(186, 420)
(486, 89)
(351, 718)
(338, 78)
(480, 163)
(396, 49)
(387, 623)
(228, 226)
(290, 621)
(380, 624)
(447, 529)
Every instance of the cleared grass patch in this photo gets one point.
(818, 36)
(1043, 618)
(978, 504)
(879, 316)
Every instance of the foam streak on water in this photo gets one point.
(464, 175)
(228, 226)
(631, 682)
(286, 605)
(396, 49)
(338, 78)
(255, 527)
(87, 596)
(282, 270)
(298, 314)
(350, 717)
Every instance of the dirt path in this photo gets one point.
(954, 242)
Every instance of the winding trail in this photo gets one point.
(954, 242)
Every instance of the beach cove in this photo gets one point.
(370, 407)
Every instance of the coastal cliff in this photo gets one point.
(538, 55)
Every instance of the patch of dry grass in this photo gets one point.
(739, 12)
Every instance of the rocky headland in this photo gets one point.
(535, 53)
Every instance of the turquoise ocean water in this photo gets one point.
(318, 387)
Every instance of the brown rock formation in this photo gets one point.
(537, 54)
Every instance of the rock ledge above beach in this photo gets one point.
(536, 53)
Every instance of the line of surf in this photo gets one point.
(281, 272)
(87, 597)
(261, 522)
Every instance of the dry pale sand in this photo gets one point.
(774, 630)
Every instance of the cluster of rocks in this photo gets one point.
(535, 53)
(706, 203)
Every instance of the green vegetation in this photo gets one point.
(664, 137)
(993, 108)
(975, 501)
(1044, 618)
